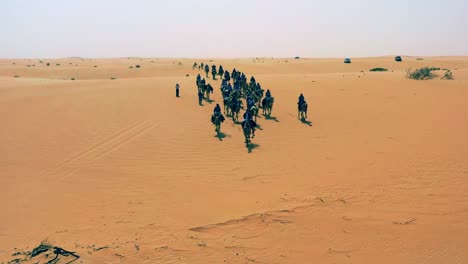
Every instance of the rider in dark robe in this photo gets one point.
(217, 111)
(248, 118)
(220, 70)
(268, 94)
(252, 79)
(301, 100)
(250, 102)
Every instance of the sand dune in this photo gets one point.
(121, 171)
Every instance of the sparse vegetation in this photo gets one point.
(16, 76)
(95, 66)
(448, 75)
(48, 64)
(187, 75)
(137, 66)
(378, 70)
(113, 78)
(130, 67)
(57, 64)
(72, 78)
(419, 59)
(424, 73)
(180, 63)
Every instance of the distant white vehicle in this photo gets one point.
(347, 60)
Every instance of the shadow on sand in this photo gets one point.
(267, 117)
(220, 136)
(209, 100)
(307, 122)
(259, 126)
(252, 146)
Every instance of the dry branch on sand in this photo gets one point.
(45, 253)
(448, 75)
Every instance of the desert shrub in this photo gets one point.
(448, 75)
(424, 73)
(72, 78)
(434, 69)
(187, 75)
(57, 64)
(14, 63)
(378, 70)
(419, 59)
(48, 64)
(40, 61)
(180, 63)
(113, 78)
(16, 76)
(28, 65)
(137, 66)
(130, 67)
(95, 66)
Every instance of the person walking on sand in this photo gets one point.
(177, 86)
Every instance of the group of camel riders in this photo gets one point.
(232, 94)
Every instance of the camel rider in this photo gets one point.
(250, 102)
(198, 78)
(268, 94)
(301, 100)
(248, 118)
(217, 109)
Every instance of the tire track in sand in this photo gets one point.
(69, 166)
(86, 151)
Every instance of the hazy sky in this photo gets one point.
(235, 28)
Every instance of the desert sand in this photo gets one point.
(121, 171)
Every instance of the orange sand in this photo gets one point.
(380, 175)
